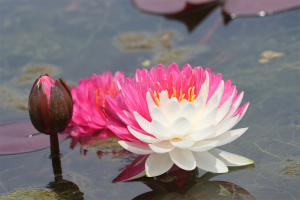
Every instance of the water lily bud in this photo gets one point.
(50, 105)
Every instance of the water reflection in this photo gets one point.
(103, 143)
(175, 184)
(63, 188)
(182, 184)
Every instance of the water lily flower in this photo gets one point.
(178, 117)
(88, 98)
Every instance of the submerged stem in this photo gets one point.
(57, 171)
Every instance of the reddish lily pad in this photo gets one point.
(168, 7)
(257, 7)
(22, 137)
(160, 6)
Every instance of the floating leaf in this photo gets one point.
(257, 7)
(169, 6)
(22, 137)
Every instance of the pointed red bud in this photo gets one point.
(50, 105)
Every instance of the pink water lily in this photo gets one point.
(178, 117)
(88, 98)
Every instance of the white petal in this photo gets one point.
(179, 143)
(222, 111)
(242, 114)
(164, 100)
(159, 131)
(230, 159)
(234, 107)
(150, 103)
(173, 109)
(207, 120)
(199, 103)
(198, 118)
(208, 162)
(136, 147)
(183, 158)
(182, 103)
(142, 137)
(189, 112)
(211, 104)
(201, 134)
(157, 164)
(205, 88)
(223, 126)
(220, 91)
(214, 99)
(229, 136)
(144, 124)
(180, 126)
(162, 147)
(159, 116)
(204, 145)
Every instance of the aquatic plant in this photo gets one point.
(229, 7)
(22, 137)
(50, 108)
(178, 117)
(88, 98)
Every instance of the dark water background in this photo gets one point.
(74, 39)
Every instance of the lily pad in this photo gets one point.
(257, 7)
(22, 137)
(168, 6)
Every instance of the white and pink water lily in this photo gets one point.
(178, 117)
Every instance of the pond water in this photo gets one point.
(74, 39)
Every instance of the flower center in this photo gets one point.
(190, 95)
(100, 97)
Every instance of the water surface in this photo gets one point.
(74, 39)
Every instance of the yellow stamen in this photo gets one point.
(160, 88)
(174, 93)
(181, 98)
(191, 95)
(167, 92)
(97, 98)
(156, 98)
